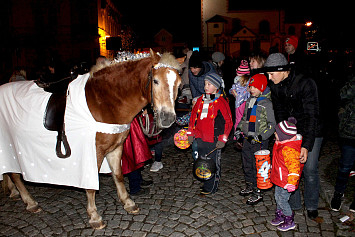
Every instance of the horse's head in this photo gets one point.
(165, 83)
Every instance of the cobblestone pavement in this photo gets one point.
(172, 208)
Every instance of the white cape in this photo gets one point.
(26, 147)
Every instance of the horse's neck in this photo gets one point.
(117, 101)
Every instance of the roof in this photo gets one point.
(217, 18)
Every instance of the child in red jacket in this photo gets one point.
(286, 171)
(209, 126)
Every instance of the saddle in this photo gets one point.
(54, 115)
(53, 119)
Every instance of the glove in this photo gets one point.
(220, 145)
(190, 139)
(238, 134)
(239, 145)
(255, 139)
(290, 187)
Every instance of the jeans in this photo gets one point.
(203, 149)
(248, 159)
(282, 197)
(134, 181)
(346, 163)
(311, 181)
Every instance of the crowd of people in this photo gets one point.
(275, 98)
(276, 106)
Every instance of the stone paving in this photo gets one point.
(172, 208)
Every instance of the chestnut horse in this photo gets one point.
(115, 94)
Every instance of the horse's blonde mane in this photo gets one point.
(169, 60)
(166, 60)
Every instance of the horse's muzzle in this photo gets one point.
(166, 119)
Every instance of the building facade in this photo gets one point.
(68, 31)
(235, 31)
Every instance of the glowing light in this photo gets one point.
(309, 23)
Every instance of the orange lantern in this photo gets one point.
(181, 140)
(263, 169)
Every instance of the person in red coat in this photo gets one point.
(134, 156)
(209, 126)
(286, 171)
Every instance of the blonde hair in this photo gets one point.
(243, 80)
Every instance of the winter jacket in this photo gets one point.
(242, 93)
(297, 96)
(286, 165)
(265, 119)
(197, 83)
(347, 112)
(216, 126)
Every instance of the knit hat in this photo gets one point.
(195, 60)
(258, 81)
(217, 57)
(286, 130)
(214, 79)
(293, 40)
(276, 62)
(243, 68)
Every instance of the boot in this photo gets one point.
(279, 218)
(335, 204)
(255, 198)
(289, 223)
(247, 190)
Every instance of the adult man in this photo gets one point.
(294, 95)
(198, 70)
(291, 44)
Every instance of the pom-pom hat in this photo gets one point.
(243, 68)
(286, 130)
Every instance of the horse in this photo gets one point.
(115, 93)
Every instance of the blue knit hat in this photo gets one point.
(214, 79)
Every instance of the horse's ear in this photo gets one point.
(155, 57)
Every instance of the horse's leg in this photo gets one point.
(95, 219)
(9, 185)
(114, 160)
(32, 205)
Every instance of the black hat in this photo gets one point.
(195, 60)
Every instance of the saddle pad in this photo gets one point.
(28, 148)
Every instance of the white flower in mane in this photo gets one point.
(128, 56)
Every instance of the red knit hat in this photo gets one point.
(292, 40)
(258, 81)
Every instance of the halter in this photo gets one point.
(146, 129)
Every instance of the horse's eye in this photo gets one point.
(156, 81)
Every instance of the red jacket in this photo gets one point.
(205, 128)
(286, 165)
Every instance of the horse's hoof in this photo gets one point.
(133, 209)
(98, 225)
(34, 209)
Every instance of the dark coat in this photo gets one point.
(297, 96)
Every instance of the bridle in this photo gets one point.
(146, 128)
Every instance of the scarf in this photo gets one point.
(206, 100)
(251, 114)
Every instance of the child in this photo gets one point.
(239, 90)
(286, 171)
(257, 125)
(209, 126)
(257, 61)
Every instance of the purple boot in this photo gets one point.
(288, 224)
(279, 218)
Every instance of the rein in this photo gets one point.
(147, 130)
